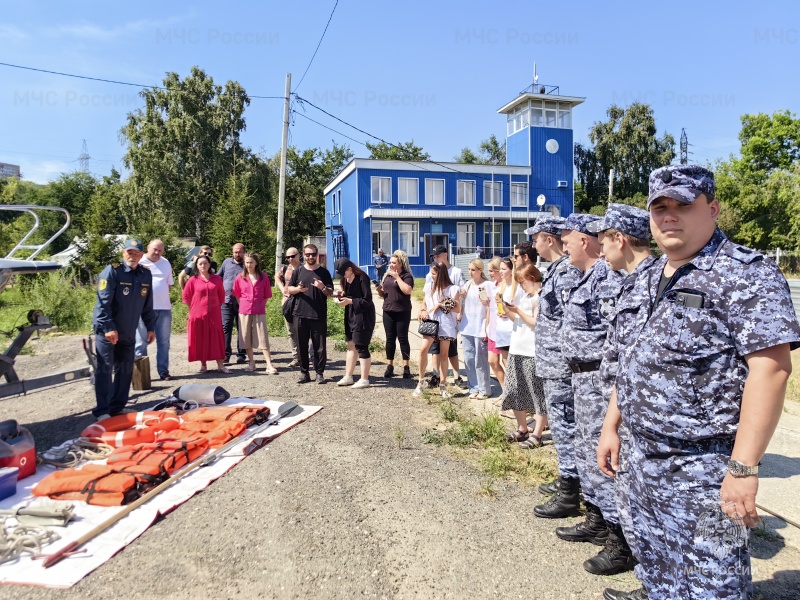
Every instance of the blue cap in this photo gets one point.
(134, 244)
(625, 219)
(579, 221)
(551, 225)
(683, 183)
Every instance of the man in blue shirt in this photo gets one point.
(380, 264)
(124, 294)
(231, 268)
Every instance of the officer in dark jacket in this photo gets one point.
(124, 294)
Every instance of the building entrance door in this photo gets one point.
(435, 239)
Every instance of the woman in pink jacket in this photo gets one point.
(253, 290)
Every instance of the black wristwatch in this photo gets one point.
(738, 469)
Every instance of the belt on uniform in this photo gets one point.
(586, 367)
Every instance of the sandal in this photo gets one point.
(203, 369)
(225, 370)
(517, 436)
(272, 370)
(443, 391)
(250, 368)
(533, 442)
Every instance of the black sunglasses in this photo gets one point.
(291, 257)
(312, 254)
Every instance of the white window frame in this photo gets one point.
(518, 234)
(519, 194)
(471, 229)
(339, 196)
(428, 192)
(380, 199)
(386, 247)
(403, 183)
(489, 232)
(413, 248)
(497, 186)
(464, 185)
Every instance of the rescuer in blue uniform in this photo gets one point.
(124, 293)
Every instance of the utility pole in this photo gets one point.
(282, 180)
(684, 148)
(610, 185)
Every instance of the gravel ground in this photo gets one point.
(333, 508)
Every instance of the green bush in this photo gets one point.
(68, 306)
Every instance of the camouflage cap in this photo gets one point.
(578, 222)
(683, 183)
(551, 225)
(625, 219)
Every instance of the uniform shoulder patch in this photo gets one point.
(741, 253)
(103, 284)
(114, 265)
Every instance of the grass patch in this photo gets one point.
(375, 345)
(486, 434)
(793, 385)
(416, 293)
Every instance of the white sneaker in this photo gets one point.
(103, 416)
(482, 396)
(346, 380)
(361, 384)
(443, 391)
(417, 392)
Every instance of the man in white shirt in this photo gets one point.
(161, 270)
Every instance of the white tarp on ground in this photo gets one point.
(71, 570)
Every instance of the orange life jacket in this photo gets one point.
(165, 456)
(218, 433)
(100, 485)
(248, 415)
(131, 428)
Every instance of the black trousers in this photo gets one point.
(316, 330)
(230, 317)
(112, 381)
(396, 326)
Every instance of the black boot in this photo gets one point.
(593, 529)
(389, 372)
(615, 558)
(407, 372)
(609, 594)
(550, 488)
(564, 504)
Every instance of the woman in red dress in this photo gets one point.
(204, 293)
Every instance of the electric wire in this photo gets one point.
(318, 45)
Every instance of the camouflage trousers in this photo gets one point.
(622, 491)
(591, 403)
(686, 546)
(561, 419)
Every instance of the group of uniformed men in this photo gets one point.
(665, 380)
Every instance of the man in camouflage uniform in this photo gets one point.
(587, 309)
(624, 235)
(700, 388)
(559, 278)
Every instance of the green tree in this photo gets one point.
(401, 151)
(490, 152)
(769, 142)
(182, 148)
(104, 214)
(628, 143)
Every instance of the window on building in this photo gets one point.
(466, 193)
(407, 190)
(492, 193)
(519, 194)
(564, 118)
(408, 237)
(493, 237)
(465, 236)
(339, 198)
(382, 236)
(434, 191)
(381, 190)
(518, 234)
(536, 116)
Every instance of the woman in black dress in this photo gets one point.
(359, 320)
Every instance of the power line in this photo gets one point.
(318, 45)
(100, 79)
(328, 128)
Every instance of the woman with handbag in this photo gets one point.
(438, 322)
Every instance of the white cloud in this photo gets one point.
(97, 32)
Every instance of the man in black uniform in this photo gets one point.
(124, 294)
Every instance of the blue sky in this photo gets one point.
(433, 71)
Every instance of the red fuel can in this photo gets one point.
(17, 449)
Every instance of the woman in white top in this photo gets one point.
(442, 305)
(491, 324)
(524, 390)
(472, 325)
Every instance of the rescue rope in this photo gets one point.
(74, 452)
(15, 541)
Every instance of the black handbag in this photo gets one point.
(429, 327)
(288, 309)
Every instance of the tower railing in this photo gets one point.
(541, 88)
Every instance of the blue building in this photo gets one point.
(416, 205)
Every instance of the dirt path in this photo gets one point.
(334, 508)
